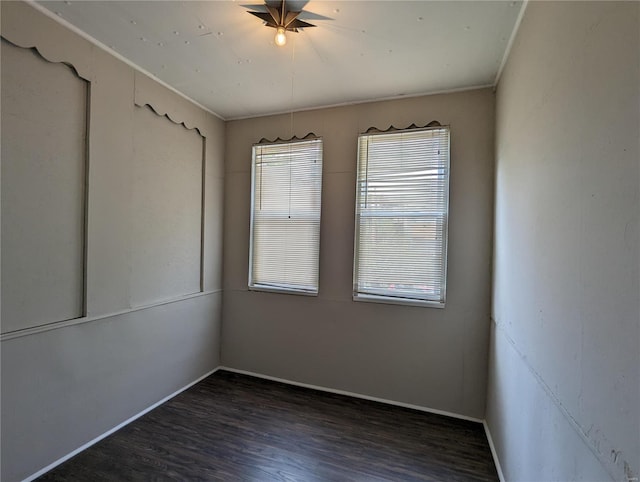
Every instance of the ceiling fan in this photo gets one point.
(283, 19)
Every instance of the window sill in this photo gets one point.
(390, 300)
(282, 290)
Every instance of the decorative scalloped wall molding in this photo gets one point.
(147, 92)
(48, 56)
(391, 128)
(158, 107)
(171, 117)
(278, 140)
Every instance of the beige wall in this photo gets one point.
(43, 189)
(66, 383)
(564, 391)
(423, 356)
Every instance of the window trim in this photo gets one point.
(396, 300)
(280, 288)
(403, 300)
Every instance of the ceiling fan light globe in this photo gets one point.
(280, 38)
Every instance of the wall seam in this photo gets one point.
(556, 401)
(512, 38)
(78, 321)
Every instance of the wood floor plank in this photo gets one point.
(234, 427)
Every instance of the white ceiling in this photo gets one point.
(217, 54)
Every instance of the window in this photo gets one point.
(286, 189)
(402, 198)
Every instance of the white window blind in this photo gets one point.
(285, 216)
(401, 216)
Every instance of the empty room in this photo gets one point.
(314, 240)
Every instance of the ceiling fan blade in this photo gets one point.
(314, 16)
(290, 17)
(266, 17)
(295, 5)
(297, 23)
(275, 17)
(274, 13)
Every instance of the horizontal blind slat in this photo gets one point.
(285, 221)
(402, 214)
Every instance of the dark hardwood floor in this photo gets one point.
(235, 427)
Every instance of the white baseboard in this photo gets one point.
(116, 428)
(494, 453)
(275, 379)
(355, 395)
